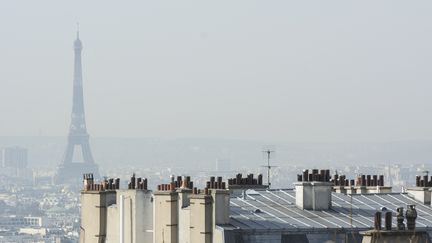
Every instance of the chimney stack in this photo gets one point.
(201, 220)
(315, 193)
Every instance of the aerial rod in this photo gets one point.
(78, 29)
(268, 152)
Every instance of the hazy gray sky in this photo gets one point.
(271, 70)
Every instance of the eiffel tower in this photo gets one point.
(69, 169)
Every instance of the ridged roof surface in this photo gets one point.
(276, 210)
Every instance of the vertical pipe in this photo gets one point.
(299, 178)
(377, 221)
(375, 180)
(121, 219)
(388, 220)
(305, 175)
(381, 180)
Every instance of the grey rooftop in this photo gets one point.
(275, 209)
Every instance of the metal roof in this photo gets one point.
(275, 209)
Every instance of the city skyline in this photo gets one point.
(215, 122)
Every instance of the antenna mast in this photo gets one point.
(268, 152)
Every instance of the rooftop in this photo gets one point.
(276, 209)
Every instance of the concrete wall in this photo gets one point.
(165, 217)
(421, 194)
(221, 206)
(137, 215)
(289, 237)
(379, 189)
(313, 195)
(113, 224)
(218, 234)
(395, 236)
(94, 206)
(260, 238)
(184, 215)
(201, 218)
(362, 189)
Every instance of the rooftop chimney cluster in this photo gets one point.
(216, 184)
(181, 182)
(341, 180)
(423, 181)
(109, 184)
(197, 191)
(112, 184)
(410, 216)
(370, 180)
(362, 180)
(137, 183)
(249, 180)
(314, 175)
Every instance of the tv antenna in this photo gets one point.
(268, 153)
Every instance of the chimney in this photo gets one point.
(314, 194)
(166, 214)
(135, 216)
(238, 184)
(420, 192)
(95, 200)
(201, 220)
(221, 206)
(184, 194)
(401, 234)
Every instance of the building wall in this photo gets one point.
(21, 221)
(94, 206)
(218, 235)
(288, 237)
(165, 217)
(259, 238)
(15, 157)
(201, 215)
(184, 215)
(137, 217)
(113, 227)
(313, 195)
(221, 206)
(421, 194)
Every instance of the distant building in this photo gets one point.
(17, 222)
(14, 157)
(320, 208)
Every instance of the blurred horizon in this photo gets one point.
(295, 71)
(202, 153)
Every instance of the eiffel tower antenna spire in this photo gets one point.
(78, 29)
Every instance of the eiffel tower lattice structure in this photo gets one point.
(71, 170)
